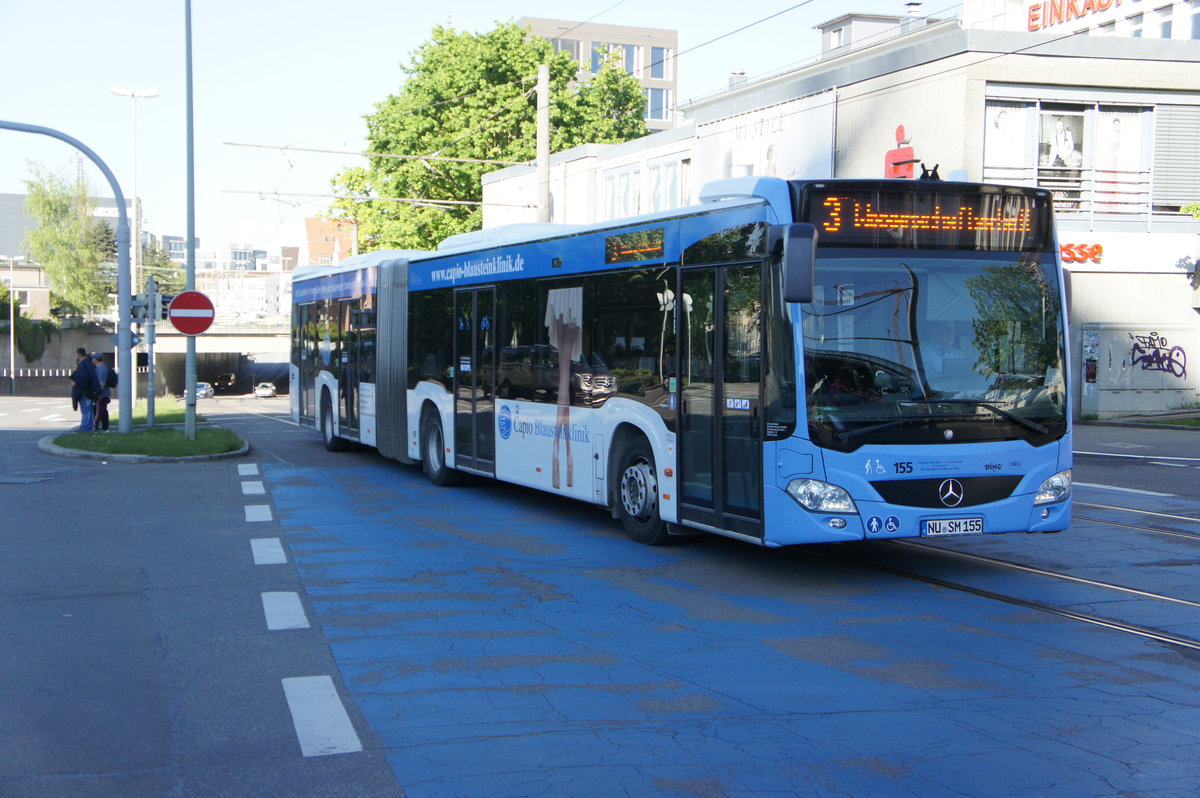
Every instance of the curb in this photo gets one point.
(1137, 425)
(47, 445)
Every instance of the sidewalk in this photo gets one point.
(1149, 420)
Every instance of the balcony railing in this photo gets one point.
(1099, 194)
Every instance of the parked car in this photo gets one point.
(224, 383)
(264, 390)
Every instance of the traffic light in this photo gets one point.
(162, 302)
(137, 307)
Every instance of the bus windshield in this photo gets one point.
(934, 347)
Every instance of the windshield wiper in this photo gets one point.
(850, 434)
(1000, 411)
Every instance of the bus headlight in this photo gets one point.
(821, 497)
(1055, 489)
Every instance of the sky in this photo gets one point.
(299, 74)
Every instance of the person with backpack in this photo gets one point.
(85, 389)
(107, 377)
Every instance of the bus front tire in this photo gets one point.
(637, 494)
(332, 442)
(433, 453)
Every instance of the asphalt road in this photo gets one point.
(298, 623)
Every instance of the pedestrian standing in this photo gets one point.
(85, 389)
(102, 402)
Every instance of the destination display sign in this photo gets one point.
(923, 216)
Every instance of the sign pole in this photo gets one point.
(189, 376)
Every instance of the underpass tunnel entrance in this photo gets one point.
(215, 368)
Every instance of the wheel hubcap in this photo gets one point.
(639, 491)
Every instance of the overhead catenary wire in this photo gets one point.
(285, 147)
(352, 198)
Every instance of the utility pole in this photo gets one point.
(543, 142)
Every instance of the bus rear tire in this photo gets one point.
(433, 453)
(637, 494)
(332, 442)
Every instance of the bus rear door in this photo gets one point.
(474, 380)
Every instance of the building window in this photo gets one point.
(1195, 4)
(629, 58)
(568, 46)
(1135, 26)
(658, 103)
(1006, 145)
(664, 186)
(622, 194)
(837, 37)
(1164, 21)
(659, 56)
(599, 55)
(1108, 29)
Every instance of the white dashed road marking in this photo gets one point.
(247, 469)
(322, 725)
(258, 512)
(283, 610)
(267, 551)
(252, 487)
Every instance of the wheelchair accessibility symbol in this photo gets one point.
(875, 524)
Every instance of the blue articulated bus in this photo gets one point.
(787, 362)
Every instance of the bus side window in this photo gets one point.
(430, 316)
(515, 377)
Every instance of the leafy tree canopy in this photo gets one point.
(472, 95)
(67, 242)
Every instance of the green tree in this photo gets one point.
(171, 276)
(66, 242)
(472, 95)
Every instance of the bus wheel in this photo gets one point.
(332, 442)
(638, 494)
(433, 453)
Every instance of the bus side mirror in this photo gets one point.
(799, 242)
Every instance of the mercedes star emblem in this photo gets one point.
(951, 492)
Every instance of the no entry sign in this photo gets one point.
(191, 312)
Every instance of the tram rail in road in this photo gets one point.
(915, 571)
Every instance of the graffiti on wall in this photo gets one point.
(1153, 353)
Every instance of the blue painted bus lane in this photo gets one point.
(501, 642)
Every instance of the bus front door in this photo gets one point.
(474, 380)
(720, 399)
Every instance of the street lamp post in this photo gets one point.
(136, 255)
(12, 325)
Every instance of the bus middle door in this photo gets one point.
(475, 380)
(720, 354)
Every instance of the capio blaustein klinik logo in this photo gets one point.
(509, 421)
(505, 421)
